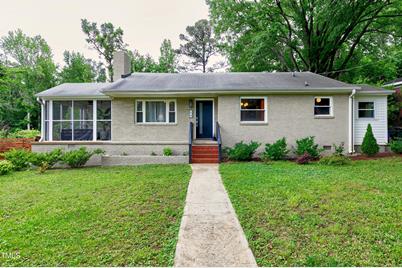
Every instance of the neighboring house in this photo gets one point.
(143, 113)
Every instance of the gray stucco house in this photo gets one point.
(142, 113)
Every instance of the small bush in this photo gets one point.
(242, 151)
(78, 158)
(20, 158)
(369, 146)
(307, 145)
(5, 167)
(167, 151)
(335, 160)
(339, 149)
(276, 151)
(29, 134)
(304, 159)
(396, 146)
(44, 161)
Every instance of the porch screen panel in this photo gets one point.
(62, 120)
(83, 120)
(104, 120)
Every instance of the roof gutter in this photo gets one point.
(131, 93)
(379, 93)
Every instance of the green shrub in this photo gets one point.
(369, 146)
(167, 151)
(44, 161)
(307, 145)
(335, 160)
(396, 146)
(339, 149)
(3, 133)
(242, 151)
(19, 158)
(276, 151)
(78, 158)
(25, 134)
(5, 167)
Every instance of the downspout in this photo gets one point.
(42, 119)
(351, 122)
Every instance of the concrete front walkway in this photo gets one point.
(210, 233)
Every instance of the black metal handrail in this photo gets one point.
(190, 141)
(219, 140)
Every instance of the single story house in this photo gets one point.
(195, 114)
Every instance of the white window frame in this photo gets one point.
(331, 106)
(167, 111)
(358, 110)
(265, 109)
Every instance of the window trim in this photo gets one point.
(358, 109)
(331, 107)
(144, 111)
(265, 109)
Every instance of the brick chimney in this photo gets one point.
(121, 65)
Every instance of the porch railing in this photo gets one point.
(190, 141)
(219, 140)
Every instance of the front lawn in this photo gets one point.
(316, 215)
(120, 216)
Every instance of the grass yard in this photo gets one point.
(319, 215)
(120, 216)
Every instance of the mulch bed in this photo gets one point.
(352, 157)
(377, 156)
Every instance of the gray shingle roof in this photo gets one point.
(364, 88)
(182, 82)
(209, 82)
(74, 90)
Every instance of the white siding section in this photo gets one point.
(379, 123)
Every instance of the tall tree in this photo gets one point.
(199, 45)
(322, 36)
(146, 64)
(79, 69)
(168, 58)
(142, 64)
(28, 68)
(106, 40)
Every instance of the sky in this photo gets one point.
(145, 22)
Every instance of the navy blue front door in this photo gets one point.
(204, 119)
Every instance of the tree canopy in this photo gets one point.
(79, 69)
(106, 40)
(199, 45)
(321, 36)
(27, 68)
(146, 64)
